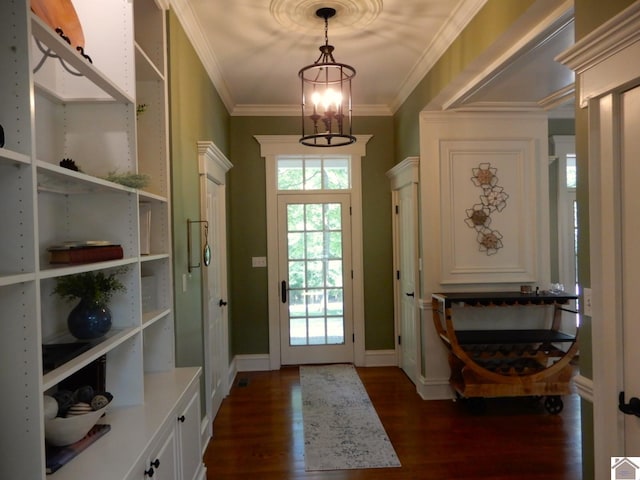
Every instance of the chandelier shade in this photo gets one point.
(326, 96)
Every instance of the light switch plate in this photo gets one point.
(586, 298)
(258, 261)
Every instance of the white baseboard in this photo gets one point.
(251, 363)
(206, 430)
(231, 375)
(584, 386)
(434, 389)
(380, 358)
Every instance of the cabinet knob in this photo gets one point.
(181, 418)
(149, 473)
(155, 463)
(222, 303)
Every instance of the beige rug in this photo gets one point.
(341, 427)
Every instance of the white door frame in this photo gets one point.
(213, 165)
(270, 147)
(605, 62)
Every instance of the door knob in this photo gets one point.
(631, 408)
(222, 303)
(410, 294)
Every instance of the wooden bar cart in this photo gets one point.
(511, 361)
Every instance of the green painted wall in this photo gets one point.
(196, 113)
(248, 289)
(490, 22)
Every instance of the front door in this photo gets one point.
(314, 240)
(630, 178)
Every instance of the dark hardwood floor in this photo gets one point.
(258, 434)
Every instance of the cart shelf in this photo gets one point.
(508, 362)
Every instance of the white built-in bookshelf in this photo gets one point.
(49, 114)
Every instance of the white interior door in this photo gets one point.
(215, 328)
(407, 198)
(213, 166)
(314, 243)
(630, 178)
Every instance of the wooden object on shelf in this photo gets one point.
(510, 361)
(60, 14)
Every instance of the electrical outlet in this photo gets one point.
(586, 298)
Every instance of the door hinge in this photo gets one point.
(350, 211)
(351, 274)
(399, 339)
(397, 209)
(353, 338)
(397, 274)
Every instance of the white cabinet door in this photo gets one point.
(189, 449)
(163, 465)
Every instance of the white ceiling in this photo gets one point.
(253, 49)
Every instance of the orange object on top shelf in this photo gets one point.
(60, 14)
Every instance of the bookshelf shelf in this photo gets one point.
(55, 179)
(149, 318)
(9, 157)
(113, 339)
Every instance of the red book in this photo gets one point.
(85, 254)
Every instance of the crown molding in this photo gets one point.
(535, 27)
(559, 98)
(193, 29)
(605, 41)
(610, 51)
(451, 29)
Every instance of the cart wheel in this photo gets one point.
(477, 405)
(553, 404)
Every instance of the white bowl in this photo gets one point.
(61, 431)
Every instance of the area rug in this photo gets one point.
(342, 430)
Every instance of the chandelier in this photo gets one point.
(326, 96)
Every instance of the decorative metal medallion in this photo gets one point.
(493, 199)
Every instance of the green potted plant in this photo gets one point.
(91, 317)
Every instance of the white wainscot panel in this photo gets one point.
(488, 199)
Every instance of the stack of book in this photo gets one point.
(84, 252)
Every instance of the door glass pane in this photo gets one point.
(290, 173)
(316, 297)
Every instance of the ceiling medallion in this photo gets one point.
(300, 15)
